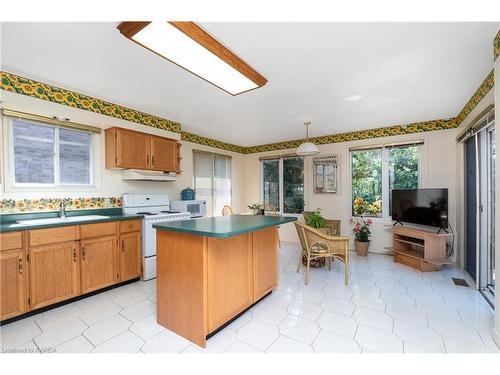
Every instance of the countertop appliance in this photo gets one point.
(156, 208)
(197, 208)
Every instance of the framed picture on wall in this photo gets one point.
(325, 174)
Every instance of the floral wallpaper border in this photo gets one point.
(496, 46)
(25, 86)
(21, 85)
(11, 206)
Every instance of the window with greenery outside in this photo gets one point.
(367, 182)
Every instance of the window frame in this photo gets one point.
(9, 161)
(281, 183)
(385, 215)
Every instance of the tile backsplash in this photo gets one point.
(11, 206)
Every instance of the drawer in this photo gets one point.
(130, 226)
(52, 235)
(98, 229)
(11, 240)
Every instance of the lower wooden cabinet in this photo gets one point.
(99, 263)
(42, 267)
(130, 255)
(54, 273)
(13, 271)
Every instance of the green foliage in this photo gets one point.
(315, 219)
(367, 176)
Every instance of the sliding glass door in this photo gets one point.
(480, 155)
(212, 180)
(490, 256)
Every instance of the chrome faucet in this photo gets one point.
(62, 209)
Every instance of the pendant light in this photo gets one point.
(307, 148)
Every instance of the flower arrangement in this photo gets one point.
(361, 229)
(257, 208)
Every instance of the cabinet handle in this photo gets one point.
(147, 160)
(83, 252)
(21, 268)
(123, 246)
(153, 160)
(74, 255)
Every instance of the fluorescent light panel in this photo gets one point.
(172, 44)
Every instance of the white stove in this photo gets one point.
(156, 208)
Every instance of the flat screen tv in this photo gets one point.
(421, 206)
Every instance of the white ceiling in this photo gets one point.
(340, 76)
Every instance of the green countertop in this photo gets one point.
(224, 226)
(8, 223)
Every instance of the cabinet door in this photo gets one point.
(130, 255)
(54, 273)
(229, 292)
(12, 283)
(99, 263)
(265, 261)
(132, 149)
(163, 154)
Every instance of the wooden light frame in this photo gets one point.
(200, 36)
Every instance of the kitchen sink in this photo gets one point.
(59, 220)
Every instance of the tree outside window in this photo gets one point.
(369, 186)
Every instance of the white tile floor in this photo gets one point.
(386, 308)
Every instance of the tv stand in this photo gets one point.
(420, 249)
(442, 229)
(397, 222)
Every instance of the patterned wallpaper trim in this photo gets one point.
(35, 89)
(25, 86)
(11, 206)
(480, 93)
(496, 46)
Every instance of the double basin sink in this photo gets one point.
(60, 220)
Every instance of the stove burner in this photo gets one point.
(170, 212)
(144, 213)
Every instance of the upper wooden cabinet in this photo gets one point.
(129, 149)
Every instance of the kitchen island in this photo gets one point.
(211, 270)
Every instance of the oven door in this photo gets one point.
(197, 208)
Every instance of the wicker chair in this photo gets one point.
(270, 210)
(227, 210)
(316, 244)
(331, 227)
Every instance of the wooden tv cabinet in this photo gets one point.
(420, 249)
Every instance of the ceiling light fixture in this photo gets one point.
(307, 148)
(189, 46)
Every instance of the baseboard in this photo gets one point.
(495, 334)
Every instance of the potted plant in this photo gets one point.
(257, 208)
(315, 219)
(361, 226)
(361, 230)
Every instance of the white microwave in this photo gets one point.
(195, 208)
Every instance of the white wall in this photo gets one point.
(438, 170)
(111, 184)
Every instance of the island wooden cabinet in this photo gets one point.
(129, 149)
(13, 270)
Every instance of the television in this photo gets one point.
(420, 206)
